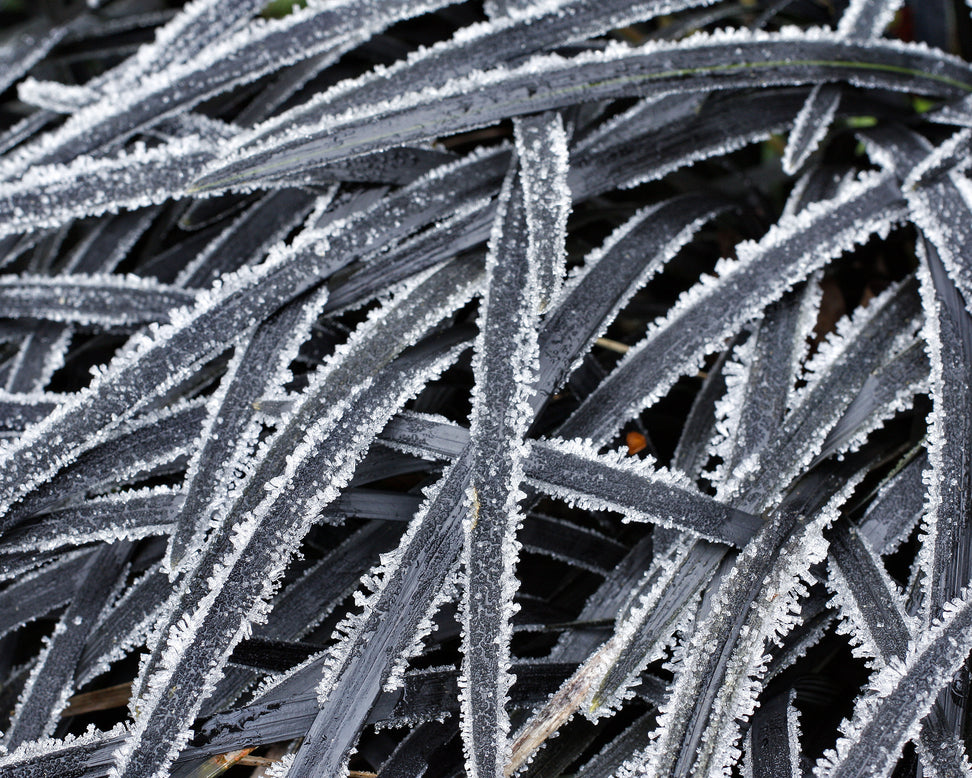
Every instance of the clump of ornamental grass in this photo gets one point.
(416, 388)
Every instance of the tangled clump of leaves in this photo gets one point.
(390, 386)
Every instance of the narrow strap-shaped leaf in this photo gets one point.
(941, 206)
(158, 438)
(811, 126)
(120, 516)
(611, 275)
(102, 300)
(504, 367)
(559, 753)
(87, 756)
(451, 237)
(304, 467)
(945, 557)
(249, 237)
(300, 606)
(51, 195)
(719, 736)
(259, 367)
(901, 694)
(722, 123)
(22, 130)
(573, 471)
(887, 390)
(310, 599)
(16, 566)
(950, 156)
(37, 593)
(124, 627)
(109, 243)
(613, 755)
(897, 508)
(847, 363)
(541, 148)
(41, 354)
(876, 608)
(25, 46)
(817, 620)
(722, 61)
(475, 48)
(867, 18)
(941, 209)
(650, 618)
(52, 678)
(692, 452)
(644, 118)
(756, 399)
(194, 28)
(787, 254)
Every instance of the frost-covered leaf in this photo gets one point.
(842, 369)
(610, 276)
(759, 379)
(774, 739)
(25, 45)
(811, 126)
(721, 61)
(153, 440)
(793, 249)
(897, 508)
(541, 147)
(900, 695)
(504, 366)
(948, 333)
(124, 515)
(51, 679)
(259, 366)
(700, 130)
(50, 195)
(41, 591)
(102, 300)
(874, 613)
(573, 471)
(471, 51)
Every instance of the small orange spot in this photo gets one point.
(636, 442)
